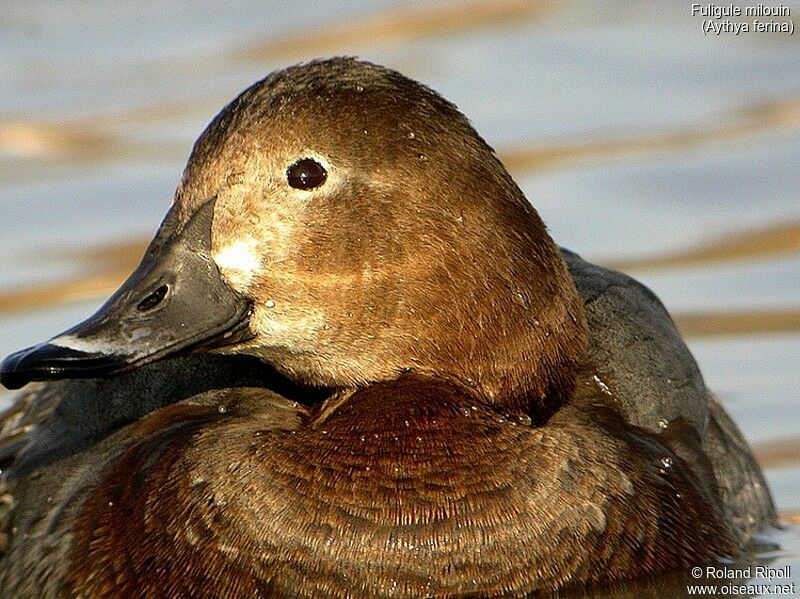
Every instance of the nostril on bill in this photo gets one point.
(153, 300)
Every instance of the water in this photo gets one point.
(632, 133)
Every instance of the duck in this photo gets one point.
(353, 363)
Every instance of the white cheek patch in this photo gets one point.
(239, 261)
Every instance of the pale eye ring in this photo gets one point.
(305, 174)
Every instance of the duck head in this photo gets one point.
(346, 225)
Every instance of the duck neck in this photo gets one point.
(521, 346)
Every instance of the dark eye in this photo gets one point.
(306, 173)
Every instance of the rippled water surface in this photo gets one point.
(643, 143)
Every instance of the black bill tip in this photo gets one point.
(49, 362)
(175, 302)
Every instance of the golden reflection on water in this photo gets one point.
(778, 453)
(400, 24)
(780, 239)
(594, 148)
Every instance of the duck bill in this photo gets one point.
(175, 302)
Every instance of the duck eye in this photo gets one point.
(306, 173)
